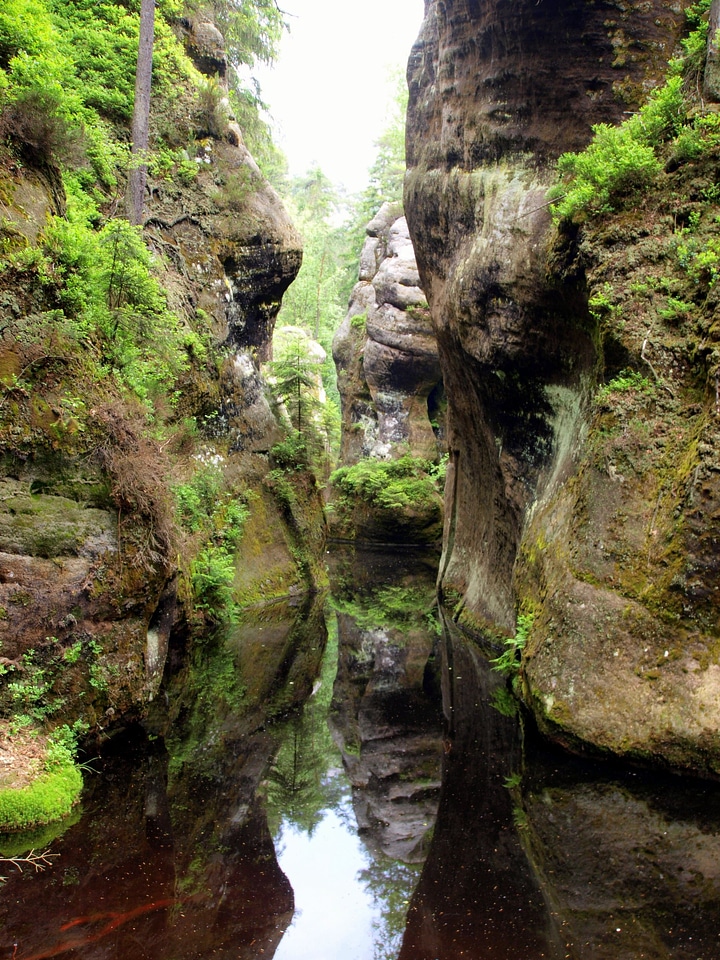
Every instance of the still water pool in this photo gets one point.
(405, 813)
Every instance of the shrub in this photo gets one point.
(109, 290)
(390, 485)
(35, 121)
(197, 499)
(622, 159)
(662, 117)
(628, 381)
(292, 452)
(615, 163)
(212, 109)
(217, 517)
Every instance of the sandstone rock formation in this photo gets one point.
(497, 92)
(87, 561)
(388, 372)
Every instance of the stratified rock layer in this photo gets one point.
(385, 352)
(497, 92)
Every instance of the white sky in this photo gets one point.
(329, 91)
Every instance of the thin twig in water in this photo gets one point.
(37, 860)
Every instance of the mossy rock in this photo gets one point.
(38, 525)
(48, 798)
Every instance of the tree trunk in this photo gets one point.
(711, 89)
(141, 114)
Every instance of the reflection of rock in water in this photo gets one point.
(570, 860)
(385, 716)
(630, 862)
(145, 876)
(477, 896)
(173, 857)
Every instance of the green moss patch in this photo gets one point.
(395, 501)
(50, 797)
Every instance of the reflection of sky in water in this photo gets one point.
(334, 912)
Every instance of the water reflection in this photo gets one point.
(350, 826)
(134, 878)
(173, 857)
(478, 896)
(630, 861)
(537, 854)
(386, 712)
(219, 830)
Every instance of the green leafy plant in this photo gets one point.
(628, 381)
(216, 517)
(213, 572)
(508, 663)
(621, 160)
(390, 484)
(614, 164)
(292, 452)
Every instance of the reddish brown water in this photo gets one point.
(207, 847)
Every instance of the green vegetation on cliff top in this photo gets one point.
(670, 129)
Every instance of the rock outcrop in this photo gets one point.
(497, 92)
(385, 353)
(90, 565)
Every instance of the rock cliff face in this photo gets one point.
(385, 353)
(87, 562)
(497, 92)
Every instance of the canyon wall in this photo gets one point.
(602, 538)
(96, 567)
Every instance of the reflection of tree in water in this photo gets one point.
(303, 781)
(391, 884)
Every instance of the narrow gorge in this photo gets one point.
(415, 659)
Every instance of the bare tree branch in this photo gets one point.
(37, 860)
